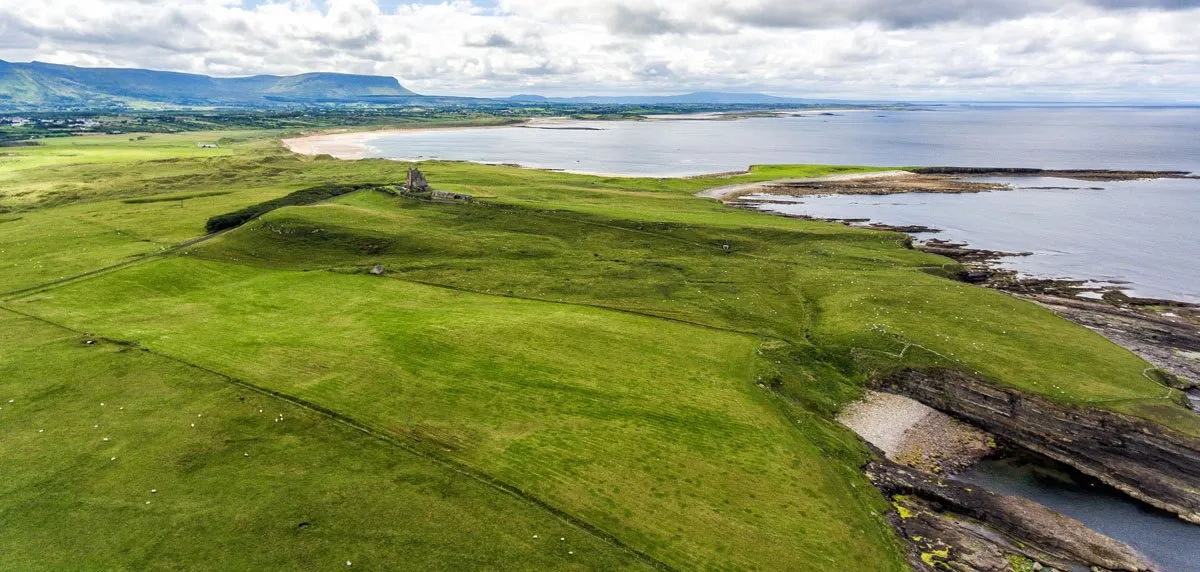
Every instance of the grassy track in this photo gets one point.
(660, 370)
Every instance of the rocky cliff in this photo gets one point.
(957, 526)
(1145, 460)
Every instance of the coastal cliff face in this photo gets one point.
(950, 525)
(1147, 461)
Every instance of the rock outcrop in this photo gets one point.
(1143, 459)
(957, 526)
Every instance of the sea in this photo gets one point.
(1141, 235)
(1168, 541)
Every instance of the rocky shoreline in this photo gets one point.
(1145, 460)
(972, 529)
(1165, 333)
(951, 525)
(926, 425)
(922, 180)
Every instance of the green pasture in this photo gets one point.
(647, 375)
(119, 459)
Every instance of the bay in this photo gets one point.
(1063, 138)
(1142, 235)
(1141, 232)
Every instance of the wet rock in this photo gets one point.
(958, 526)
(908, 183)
(1145, 460)
(907, 229)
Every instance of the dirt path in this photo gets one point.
(727, 192)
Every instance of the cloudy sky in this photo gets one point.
(1114, 50)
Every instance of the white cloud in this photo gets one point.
(1081, 49)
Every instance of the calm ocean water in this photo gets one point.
(1143, 232)
(1146, 233)
(1168, 541)
(1085, 138)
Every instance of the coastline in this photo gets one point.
(730, 192)
(939, 516)
(354, 145)
(1139, 330)
(1164, 332)
(917, 438)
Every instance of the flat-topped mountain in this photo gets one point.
(38, 85)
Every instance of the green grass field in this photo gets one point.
(647, 375)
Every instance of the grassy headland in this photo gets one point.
(612, 361)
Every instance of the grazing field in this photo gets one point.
(648, 375)
(119, 458)
(651, 430)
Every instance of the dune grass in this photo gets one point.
(658, 367)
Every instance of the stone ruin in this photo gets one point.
(416, 182)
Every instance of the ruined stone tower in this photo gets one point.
(416, 181)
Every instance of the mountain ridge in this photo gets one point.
(40, 85)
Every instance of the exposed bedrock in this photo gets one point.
(1145, 460)
(957, 526)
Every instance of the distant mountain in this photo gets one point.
(702, 97)
(37, 85)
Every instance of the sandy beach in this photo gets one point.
(340, 145)
(356, 144)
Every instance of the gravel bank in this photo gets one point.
(914, 434)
